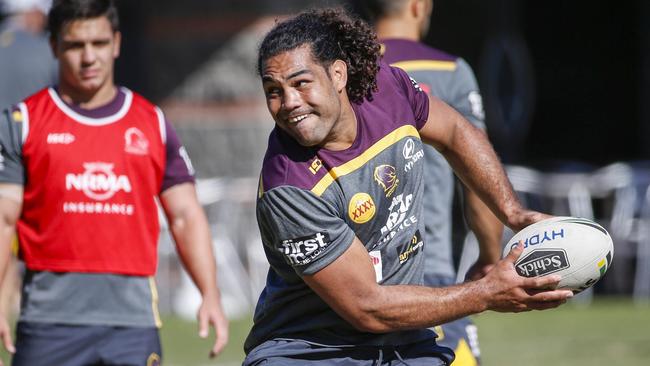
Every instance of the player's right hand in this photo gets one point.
(507, 291)
(525, 218)
(5, 336)
(211, 314)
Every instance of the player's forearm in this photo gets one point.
(10, 206)
(5, 250)
(486, 227)
(192, 235)
(413, 307)
(475, 162)
(348, 285)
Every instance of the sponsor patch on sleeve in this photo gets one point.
(375, 257)
(304, 250)
(416, 86)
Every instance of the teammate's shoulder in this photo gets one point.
(137, 99)
(400, 50)
(19, 112)
(286, 163)
(39, 95)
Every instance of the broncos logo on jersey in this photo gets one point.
(386, 177)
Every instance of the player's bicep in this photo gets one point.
(11, 199)
(179, 200)
(348, 283)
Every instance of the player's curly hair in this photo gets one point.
(333, 35)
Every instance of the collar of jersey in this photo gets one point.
(128, 98)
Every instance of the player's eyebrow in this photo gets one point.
(298, 73)
(268, 78)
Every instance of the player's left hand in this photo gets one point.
(5, 336)
(211, 314)
(478, 270)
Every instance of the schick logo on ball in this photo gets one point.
(542, 262)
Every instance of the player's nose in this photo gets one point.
(88, 55)
(291, 99)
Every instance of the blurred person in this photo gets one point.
(85, 166)
(26, 62)
(400, 26)
(340, 206)
(26, 65)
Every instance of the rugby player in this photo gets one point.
(83, 164)
(340, 206)
(400, 25)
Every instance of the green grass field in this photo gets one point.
(610, 331)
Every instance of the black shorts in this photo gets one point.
(44, 344)
(295, 352)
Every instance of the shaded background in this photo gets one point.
(561, 80)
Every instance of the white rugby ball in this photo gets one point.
(579, 250)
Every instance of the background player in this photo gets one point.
(26, 66)
(400, 25)
(340, 206)
(82, 165)
(26, 62)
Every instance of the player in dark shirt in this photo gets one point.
(400, 24)
(340, 205)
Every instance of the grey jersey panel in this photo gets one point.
(88, 299)
(459, 89)
(303, 229)
(11, 156)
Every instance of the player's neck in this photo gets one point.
(102, 96)
(397, 29)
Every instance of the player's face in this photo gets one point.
(303, 97)
(86, 50)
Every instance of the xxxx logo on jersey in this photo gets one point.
(361, 208)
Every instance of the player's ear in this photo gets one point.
(117, 41)
(339, 74)
(419, 8)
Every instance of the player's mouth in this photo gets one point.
(298, 118)
(89, 74)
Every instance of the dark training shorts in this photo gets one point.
(460, 335)
(295, 352)
(43, 344)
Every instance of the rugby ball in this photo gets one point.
(577, 249)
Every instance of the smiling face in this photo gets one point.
(306, 99)
(86, 50)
